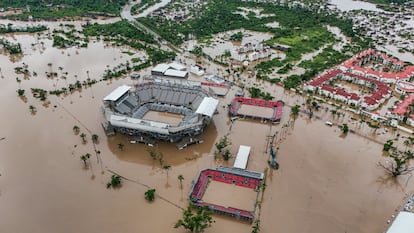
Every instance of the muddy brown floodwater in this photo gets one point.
(326, 182)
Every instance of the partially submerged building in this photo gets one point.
(125, 108)
(171, 70)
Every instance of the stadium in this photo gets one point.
(223, 183)
(258, 109)
(159, 110)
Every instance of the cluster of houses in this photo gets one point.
(379, 90)
(356, 63)
(378, 82)
(252, 52)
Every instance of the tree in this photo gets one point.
(398, 165)
(166, 168)
(121, 146)
(150, 195)
(85, 158)
(76, 129)
(222, 143)
(295, 110)
(256, 227)
(226, 155)
(32, 109)
(345, 128)
(195, 222)
(115, 182)
(152, 153)
(181, 178)
(20, 92)
(388, 145)
(83, 136)
(95, 138)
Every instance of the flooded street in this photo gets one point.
(327, 181)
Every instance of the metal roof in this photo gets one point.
(403, 223)
(175, 73)
(161, 68)
(117, 93)
(177, 66)
(242, 157)
(208, 106)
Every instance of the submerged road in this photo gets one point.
(126, 14)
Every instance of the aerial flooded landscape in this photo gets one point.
(207, 116)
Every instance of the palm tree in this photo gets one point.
(83, 136)
(32, 109)
(406, 143)
(345, 128)
(295, 111)
(166, 168)
(181, 178)
(76, 129)
(150, 195)
(84, 158)
(95, 138)
(120, 146)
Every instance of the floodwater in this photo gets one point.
(223, 194)
(327, 181)
(166, 117)
(349, 5)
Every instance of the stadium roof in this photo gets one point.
(208, 106)
(175, 73)
(403, 223)
(117, 93)
(176, 66)
(161, 68)
(242, 157)
(133, 123)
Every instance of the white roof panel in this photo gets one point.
(175, 73)
(176, 66)
(208, 106)
(161, 68)
(403, 223)
(242, 157)
(118, 92)
(133, 123)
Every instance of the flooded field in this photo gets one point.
(230, 195)
(166, 117)
(251, 110)
(327, 181)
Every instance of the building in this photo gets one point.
(172, 70)
(125, 108)
(404, 222)
(401, 71)
(242, 157)
(321, 85)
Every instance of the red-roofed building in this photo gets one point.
(380, 91)
(355, 63)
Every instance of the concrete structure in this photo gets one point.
(124, 110)
(242, 157)
(275, 106)
(197, 70)
(172, 70)
(251, 52)
(232, 176)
